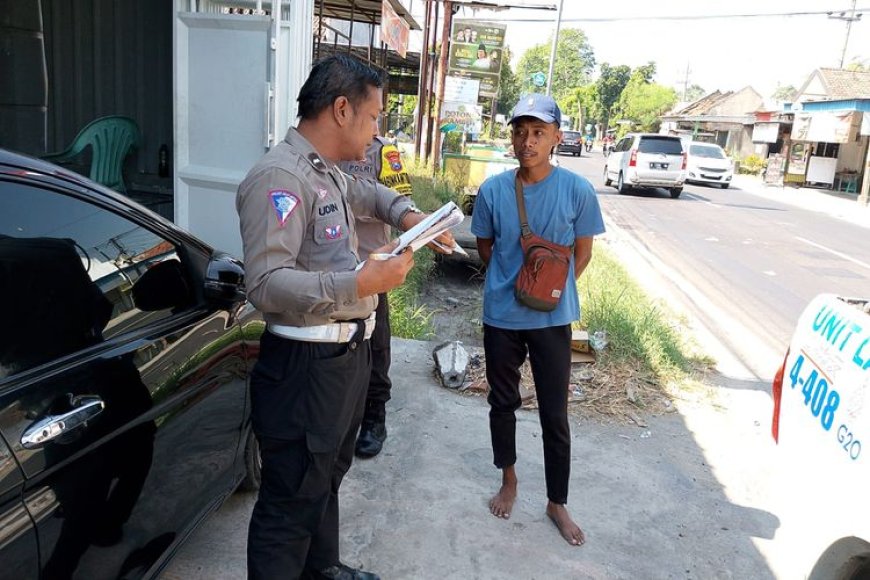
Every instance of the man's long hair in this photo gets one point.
(337, 76)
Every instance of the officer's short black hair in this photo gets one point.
(336, 76)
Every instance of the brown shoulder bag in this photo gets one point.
(545, 265)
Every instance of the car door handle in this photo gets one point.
(85, 407)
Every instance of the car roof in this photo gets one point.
(657, 135)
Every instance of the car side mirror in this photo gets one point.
(162, 286)
(224, 281)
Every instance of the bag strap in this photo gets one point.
(525, 231)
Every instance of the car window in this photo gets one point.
(74, 274)
(708, 151)
(666, 145)
(623, 145)
(570, 135)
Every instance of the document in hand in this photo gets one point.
(444, 218)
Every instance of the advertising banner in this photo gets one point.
(765, 132)
(394, 30)
(823, 127)
(476, 51)
(461, 89)
(467, 118)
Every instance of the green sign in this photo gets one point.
(539, 79)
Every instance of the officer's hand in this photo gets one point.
(377, 276)
(443, 244)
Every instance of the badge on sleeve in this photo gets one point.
(284, 203)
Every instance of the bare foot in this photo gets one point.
(569, 530)
(502, 503)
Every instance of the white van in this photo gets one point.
(647, 160)
(821, 422)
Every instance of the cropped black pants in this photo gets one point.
(549, 351)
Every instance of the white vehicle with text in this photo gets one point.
(821, 422)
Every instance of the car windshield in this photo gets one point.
(666, 145)
(570, 135)
(708, 151)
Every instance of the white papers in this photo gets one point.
(447, 216)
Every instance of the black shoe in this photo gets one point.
(371, 439)
(340, 572)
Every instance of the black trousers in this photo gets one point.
(307, 403)
(549, 351)
(379, 381)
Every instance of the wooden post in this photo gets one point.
(442, 78)
(421, 87)
(864, 198)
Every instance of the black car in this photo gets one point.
(572, 142)
(124, 358)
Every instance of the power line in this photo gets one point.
(684, 17)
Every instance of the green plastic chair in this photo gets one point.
(111, 139)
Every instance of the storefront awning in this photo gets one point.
(368, 11)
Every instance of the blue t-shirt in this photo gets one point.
(560, 208)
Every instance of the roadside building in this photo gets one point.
(726, 119)
(821, 139)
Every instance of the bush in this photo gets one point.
(751, 165)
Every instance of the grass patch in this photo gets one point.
(639, 332)
(408, 318)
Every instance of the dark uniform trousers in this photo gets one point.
(379, 383)
(549, 352)
(307, 403)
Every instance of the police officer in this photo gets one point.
(296, 212)
(383, 163)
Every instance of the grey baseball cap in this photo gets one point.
(539, 106)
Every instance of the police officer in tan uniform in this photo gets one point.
(297, 212)
(383, 163)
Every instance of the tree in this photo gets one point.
(644, 103)
(574, 62)
(509, 86)
(693, 93)
(582, 103)
(785, 93)
(611, 81)
(858, 65)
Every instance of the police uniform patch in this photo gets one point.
(321, 193)
(284, 203)
(332, 232)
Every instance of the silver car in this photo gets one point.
(647, 160)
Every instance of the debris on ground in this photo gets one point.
(451, 362)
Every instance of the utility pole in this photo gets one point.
(686, 82)
(421, 88)
(553, 49)
(849, 16)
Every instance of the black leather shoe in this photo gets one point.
(371, 439)
(340, 572)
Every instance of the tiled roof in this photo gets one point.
(704, 104)
(846, 84)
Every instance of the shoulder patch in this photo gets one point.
(284, 203)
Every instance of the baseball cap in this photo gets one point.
(539, 106)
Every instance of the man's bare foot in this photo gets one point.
(502, 503)
(569, 530)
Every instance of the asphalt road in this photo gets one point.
(746, 265)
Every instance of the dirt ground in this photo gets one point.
(455, 298)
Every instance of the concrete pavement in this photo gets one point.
(671, 500)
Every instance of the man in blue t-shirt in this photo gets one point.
(561, 207)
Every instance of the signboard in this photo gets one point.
(476, 51)
(823, 127)
(394, 30)
(539, 79)
(775, 169)
(797, 159)
(461, 89)
(765, 133)
(865, 124)
(465, 117)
